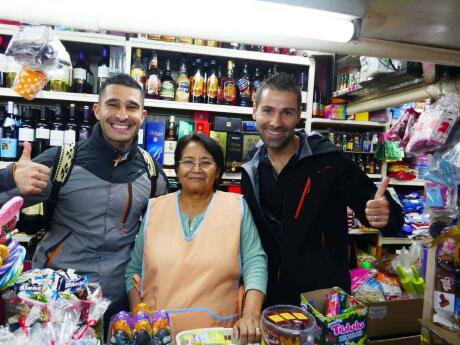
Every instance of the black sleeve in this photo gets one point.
(358, 188)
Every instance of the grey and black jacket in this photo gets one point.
(97, 212)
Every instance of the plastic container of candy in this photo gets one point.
(288, 325)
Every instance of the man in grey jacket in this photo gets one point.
(97, 212)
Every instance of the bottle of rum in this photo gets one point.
(170, 143)
(167, 84)
(153, 83)
(229, 87)
(84, 129)
(244, 88)
(137, 68)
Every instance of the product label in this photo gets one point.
(167, 89)
(212, 86)
(42, 133)
(2, 62)
(69, 136)
(229, 92)
(26, 134)
(170, 148)
(139, 76)
(197, 86)
(79, 73)
(378, 313)
(304, 96)
(153, 85)
(56, 138)
(103, 71)
(8, 148)
(140, 137)
(243, 85)
(182, 91)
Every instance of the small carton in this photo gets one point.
(202, 127)
(155, 139)
(201, 116)
(185, 128)
(221, 138)
(349, 328)
(249, 145)
(234, 154)
(227, 124)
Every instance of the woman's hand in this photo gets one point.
(246, 329)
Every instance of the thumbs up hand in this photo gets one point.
(378, 209)
(30, 177)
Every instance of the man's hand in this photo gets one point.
(30, 177)
(378, 209)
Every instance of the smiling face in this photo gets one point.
(277, 115)
(120, 112)
(197, 179)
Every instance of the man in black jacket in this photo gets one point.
(298, 187)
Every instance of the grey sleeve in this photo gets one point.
(162, 186)
(8, 188)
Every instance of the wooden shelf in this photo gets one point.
(448, 336)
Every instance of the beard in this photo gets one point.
(278, 143)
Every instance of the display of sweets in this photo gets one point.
(141, 328)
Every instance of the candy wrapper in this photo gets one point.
(39, 52)
(440, 199)
(434, 125)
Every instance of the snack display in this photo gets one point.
(141, 328)
(287, 325)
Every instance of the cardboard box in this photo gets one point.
(394, 317)
(201, 116)
(221, 138)
(340, 329)
(249, 145)
(155, 139)
(249, 127)
(364, 116)
(234, 155)
(185, 128)
(409, 340)
(202, 127)
(227, 124)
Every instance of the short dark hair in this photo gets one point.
(123, 80)
(283, 82)
(211, 145)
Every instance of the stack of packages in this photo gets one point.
(50, 307)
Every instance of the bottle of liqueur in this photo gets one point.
(212, 84)
(197, 83)
(303, 89)
(205, 79)
(183, 84)
(255, 84)
(70, 128)
(103, 69)
(137, 68)
(153, 83)
(42, 133)
(167, 84)
(89, 79)
(84, 129)
(26, 130)
(244, 88)
(9, 141)
(220, 93)
(57, 128)
(315, 105)
(229, 87)
(79, 74)
(170, 143)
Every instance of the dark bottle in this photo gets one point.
(85, 128)
(42, 133)
(167, 84)
(102, 69)
(197, 83)
(70, 128)
(79, 79)
(229, 87)
(9, 140)
(303, 89)
(212, 84)
(89, 79)
(57, 127)
(255, 85)
(205, 79)
(26, 130)
(275, 68)
(170, 143)
(153, 82)
(220, 93)
(244, 88)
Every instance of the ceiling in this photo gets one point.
(421, 22)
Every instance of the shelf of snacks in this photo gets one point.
(409, 183)
(332, 122)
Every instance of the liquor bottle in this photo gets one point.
(89, 79)
(367, 143)
(26, 130)
(103, 69)
(57, 128)
(2, 62)
(70, 128)
(79, 74)
(255, 85)
(9, 141)
(212, 84)
(58, 80)
(356, 144)
(205, 79)
(343, 144)
(303, 89)
(170, 143)
(167, 84)
(220, 93)
(137, 68)
(315, 105)
(153, 82)
(244, 88)
(85, 128)
(350, 144)
(378, 167)
(197, 83)
(2, 119)
(42, 133)
(183, 84)
(374, 142)
(229, 87)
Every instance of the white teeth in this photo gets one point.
(115, 125)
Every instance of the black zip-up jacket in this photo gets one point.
(312, 251)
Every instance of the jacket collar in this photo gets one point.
(96, 139)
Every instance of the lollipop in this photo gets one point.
(9, 278)
(8, 214)
(12, 257)
(3, 252)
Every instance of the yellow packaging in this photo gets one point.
(364, 116)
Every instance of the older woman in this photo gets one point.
(194, 247)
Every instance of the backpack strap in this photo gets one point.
(152, 170)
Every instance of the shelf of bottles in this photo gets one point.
(332, 122)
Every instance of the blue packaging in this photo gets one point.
(155, 139)
(249, 127)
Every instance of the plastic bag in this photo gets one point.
(370, 291)
(440, 199)
(434, 125)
